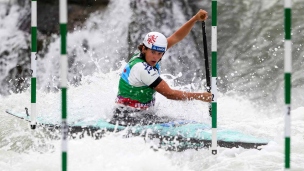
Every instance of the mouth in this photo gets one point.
(153, 62)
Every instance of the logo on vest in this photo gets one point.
(148, 67)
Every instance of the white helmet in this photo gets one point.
(156, 41)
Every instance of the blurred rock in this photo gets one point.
(48, 14)
(18, 77)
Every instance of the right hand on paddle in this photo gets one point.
(205, 97)
(201, 15)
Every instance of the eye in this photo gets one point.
(157, 53)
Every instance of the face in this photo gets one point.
(152, 56)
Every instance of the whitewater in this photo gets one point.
(93, 97)
(26, 149)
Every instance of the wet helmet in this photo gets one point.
(156, 41)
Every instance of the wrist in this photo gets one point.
(194, 19)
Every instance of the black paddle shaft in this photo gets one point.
(208, 80)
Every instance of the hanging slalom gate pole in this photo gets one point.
(214, 75)
(33, 62)
(209, 87)
(287, 76)
(63, 76)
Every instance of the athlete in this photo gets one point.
(140, 79)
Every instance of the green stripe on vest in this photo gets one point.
(142, 94)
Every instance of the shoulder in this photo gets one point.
(135, 59)
(146, 70)
(139, 65)
(145, 73)
(135, 56)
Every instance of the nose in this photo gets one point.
(157, 56)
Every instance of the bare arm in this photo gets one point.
(184, 30)
(164, 89)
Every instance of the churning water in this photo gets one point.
(250, 75)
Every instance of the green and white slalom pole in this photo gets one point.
(63, 76)
(214, 76)
(33, 62)
(287, 75)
